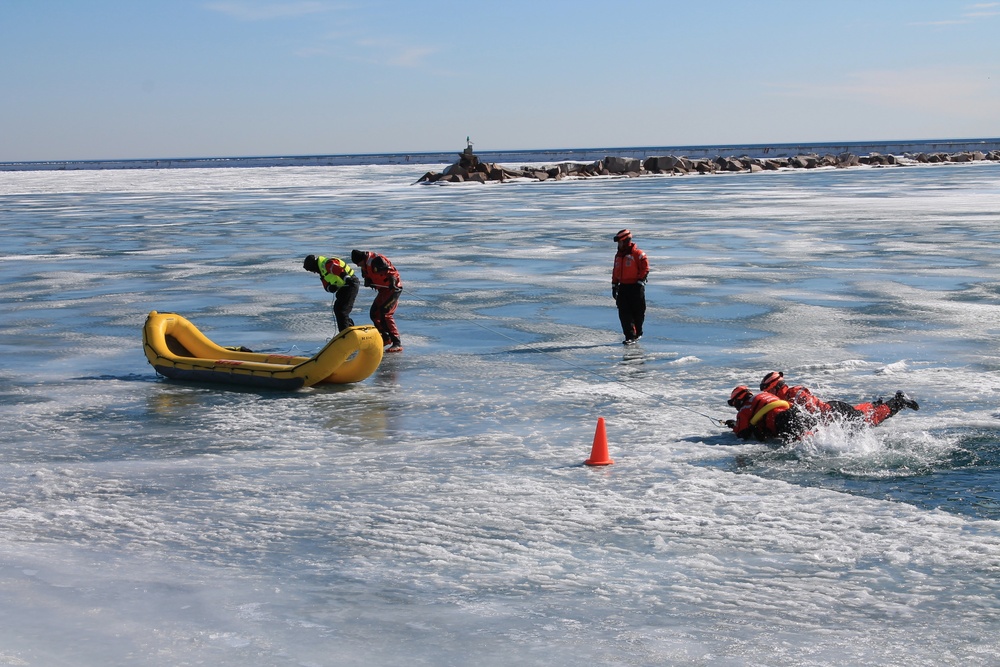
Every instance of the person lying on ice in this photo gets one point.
(872, 414)
(767, 417)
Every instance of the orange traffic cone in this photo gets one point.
(599, 452)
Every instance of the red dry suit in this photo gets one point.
(631, 266)
(628, 277)
(799, 395)
(379, 273)
(876, 413)
(872, 414)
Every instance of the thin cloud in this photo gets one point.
(256, 11)
(385, 52)
(962, 91)
(977, 11)
(412, 57)
(391, 53)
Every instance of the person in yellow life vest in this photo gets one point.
(766, 417)
(628, 286)
(337, 278)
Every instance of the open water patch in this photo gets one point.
(953, 470)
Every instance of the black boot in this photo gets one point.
(906, 401)
(900, 401)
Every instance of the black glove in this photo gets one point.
(614, 292)
(368, 282)
(329, 288)
(731, 423)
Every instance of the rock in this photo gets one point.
(571, 167)
(728, 164)
(704, 166)
(877, 159)
(969, 156)
(804, 161)
(845, 160)
(669, 164)
(621, 165)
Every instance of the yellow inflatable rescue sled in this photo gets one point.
(178, 350)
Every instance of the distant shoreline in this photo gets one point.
(521, 156)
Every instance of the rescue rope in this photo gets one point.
(716, 422)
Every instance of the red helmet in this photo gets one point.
(772, 381)
(740, 396)
(623, 235)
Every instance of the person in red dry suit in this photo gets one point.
(337, 277)
(765, 417)
(379, 274)
(628, 286)
(871, 414)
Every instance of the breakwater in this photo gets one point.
(527, 156)
(470, 168)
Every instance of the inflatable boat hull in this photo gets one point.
(178, 350)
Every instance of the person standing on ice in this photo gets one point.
(872, 414)
(338, 278)
(628, 286)
(379, 274)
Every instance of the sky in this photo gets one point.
(124, 79)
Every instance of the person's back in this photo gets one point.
(379, 274)
(337, 278)
(765, 410)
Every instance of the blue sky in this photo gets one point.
(105, 79)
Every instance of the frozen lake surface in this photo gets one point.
(438, 513)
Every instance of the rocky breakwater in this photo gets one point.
(470, 169)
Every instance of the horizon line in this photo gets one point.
(406, 155)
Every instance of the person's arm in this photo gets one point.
(615, 279)
(643, 262)
(742, 427)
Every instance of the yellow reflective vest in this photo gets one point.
(334, 272)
